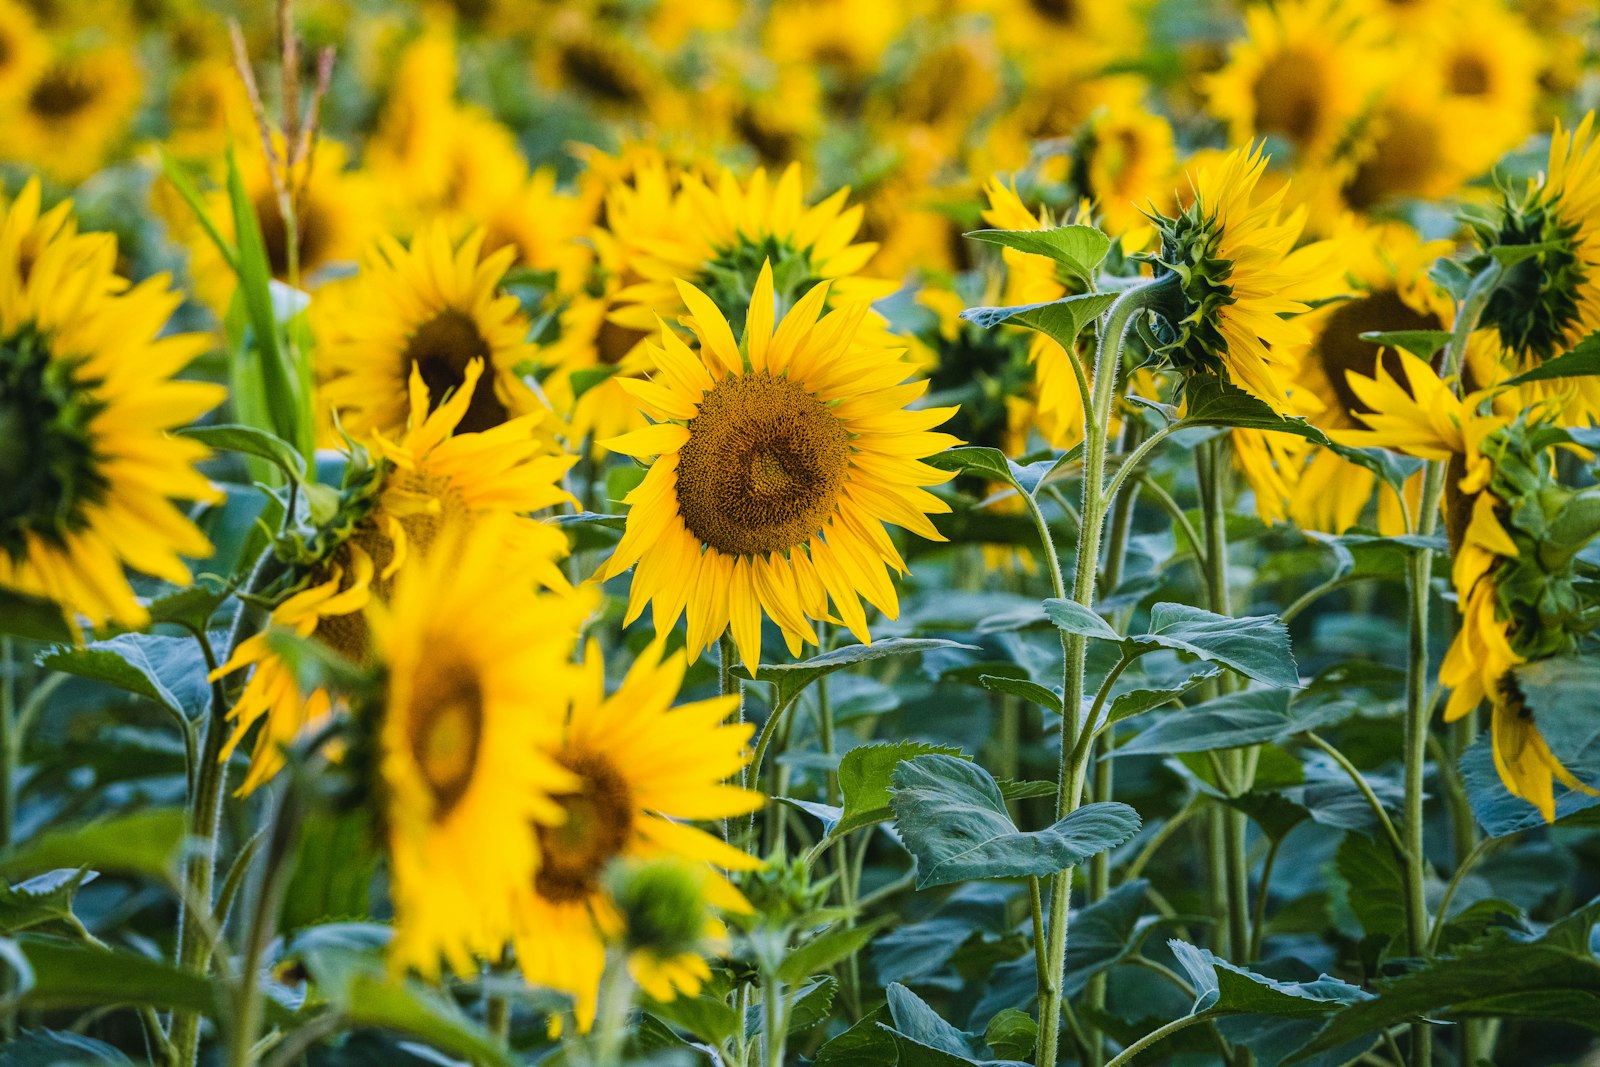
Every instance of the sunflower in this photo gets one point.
(1550, 301)
(777, 466)
(1386, 267)
(1491, 62)
(1127, 162)
(432, 308)
(432, 481)
(207, 106)
(88, 470)
(74, 111)
(1409, 147)
(23, 51)
(642, 771)
(667, 226)
(589, 345)
(463, 737)
(1242, 280)
(1304, 72)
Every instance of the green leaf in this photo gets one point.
(1580, 361)
(1554, 976)
(146, 842)
(819, 953)
(33, 618)
(168, 670)
(45, 899)
(1223, 988)
(250, 441)
(1257, 646)
(1015, 789)
(1061, 320)
(1077, 251)
(865, 775)
(191, 607)
(1234, 721)
(1511, 255)
(791, 678)
(1138, 701)
(952, 818)
(1499, 812)
(810, 1004)
(69, 975)
(1420, 343)
(990, 464)
(1568, 726)
(334, 866)
(347, 964)
(709, 1019)
(1073, 618)
(1374, 888)
(914, 1019)
(589, 377)
(1212, 401)
(1032, 692)
(866, 1044)
(59, 1048)
(1012, 1035)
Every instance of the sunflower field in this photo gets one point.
(854, 533)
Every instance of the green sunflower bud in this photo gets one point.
(663, 906)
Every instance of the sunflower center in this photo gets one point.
(48, 465)
(1288, 97)
(446, 732)
(1468, 75)
(604, 74)
(614, 342)
(1401, 162)
(60, 94)
(763, 465)
(599, 820)
(441, 349)
(313, 227)
(1342, 349)
(1064, 12)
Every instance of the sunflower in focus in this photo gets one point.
(431, 308)
(73, 112)
(463, 737)
(1303, 73)
(431, 479)
(89, 473)
(643, 771)
(778, 462)
(1242, 280)
(1550, 301)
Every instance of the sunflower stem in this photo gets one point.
(1069, 791)
(283, 841)
(9, 751)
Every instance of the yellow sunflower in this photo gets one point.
(1243, 281)
(1549, 302)
(1304, 72)
(1491, 62)
(1410, 147)
(777, 465)
(463, 739)
(591, 343)
(23, 51)
(718, 238)
(88, 470)
(643, 771)
(434, 480)
(73, 113)
(1128, 164)
(432, 308)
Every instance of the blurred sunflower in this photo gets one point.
(89, 473)
(777, 466)
(1490, 61)
(718, 239)
(430, 308)
(1241, 280)
(1304, 72)
(463, 740)
(24, 52)
(73, 112)
(587, 360)
(1410, 145)
(643, 770)
(1126, 162)
(432, 480)
(1550, 301)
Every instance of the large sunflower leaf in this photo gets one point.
(146, 842)
(952, 817)
(1076, 250)
(791, 678)
(1257, 646)
(1211, 401)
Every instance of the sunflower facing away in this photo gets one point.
(1423, 417)
(88, 470)
(433, 308)
(778, 462)
(1242, 280)
(643, 771)
(1551, 301)
(432, 480)
(463, 737)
